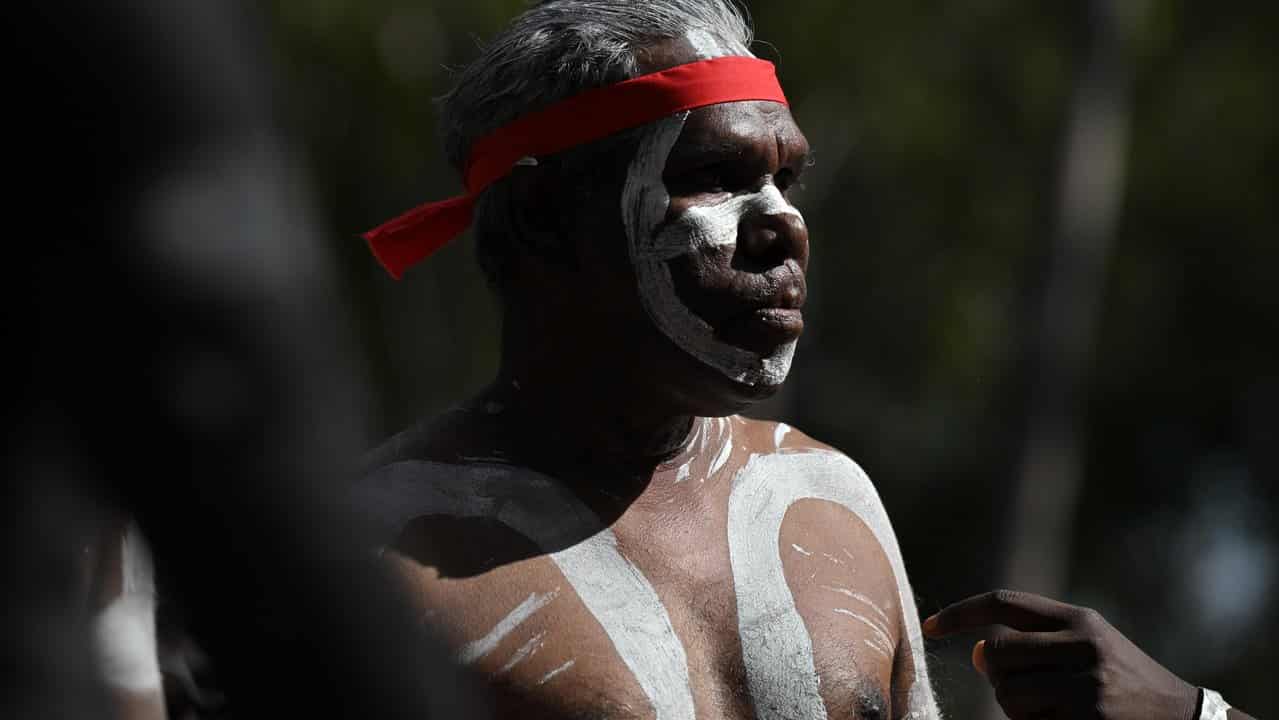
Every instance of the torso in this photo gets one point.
(748, 579)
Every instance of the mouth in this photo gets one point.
(759, 313)
(787, 322)
(773, 319)
(764, 330)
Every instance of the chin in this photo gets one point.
(708, 392)
(711, 379)
(748, 395)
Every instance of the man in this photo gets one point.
(597, 531)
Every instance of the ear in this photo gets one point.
(537, 211)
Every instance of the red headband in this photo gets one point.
(589, 116)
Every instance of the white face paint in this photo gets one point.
(644, 206)
(707, 46)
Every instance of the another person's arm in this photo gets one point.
(1043, 655)
(122, 603)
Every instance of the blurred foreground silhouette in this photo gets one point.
(183, 361)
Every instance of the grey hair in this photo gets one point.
(555, 50)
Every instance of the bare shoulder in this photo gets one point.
(763, 436)
(808, 534)
(832, 521)
(766, 438)
(459, 433)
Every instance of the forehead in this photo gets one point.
(743, 126)
(727, 126)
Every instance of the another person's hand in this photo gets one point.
(1046, 659)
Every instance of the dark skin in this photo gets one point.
(674, 533)
(1046, 659)
(593, 395)
(633, 370)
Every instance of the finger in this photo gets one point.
(979, 657)
(1025, 696)
(1010, 651)
(1018, 610)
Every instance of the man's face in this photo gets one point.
(718, 252)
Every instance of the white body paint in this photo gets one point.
(860, 598)
(877, 648)
(547, 677)
(725, 450)
(777, 650)
(707, 46)
(776, 647)
(527, 650)
(124, 632)
(644, 206)
(477, 649)
(611, 588)
(696, 438)
(881, 634)
(779, 434)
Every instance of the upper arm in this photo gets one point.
(911, 690)
(912, 693)
(124, 634)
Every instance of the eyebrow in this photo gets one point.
(719, 151)
(724, 150)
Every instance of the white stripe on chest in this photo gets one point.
(777, 649)
(611, 587)
(776, 646)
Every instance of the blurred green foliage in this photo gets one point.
(938, 133)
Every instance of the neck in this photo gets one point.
(574, 407)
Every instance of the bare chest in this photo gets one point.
(652, 618)
(765, 591)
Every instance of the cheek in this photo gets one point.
(600, 238)
(701, 247)
(706, 283)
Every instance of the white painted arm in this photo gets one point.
(124, 632)
(910, 673)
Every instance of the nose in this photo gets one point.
(770, 239)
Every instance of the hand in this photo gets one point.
(1053, 661)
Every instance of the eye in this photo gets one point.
(785, 179)
(709, 179)
(788, 181)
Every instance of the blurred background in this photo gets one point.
(1043, 312)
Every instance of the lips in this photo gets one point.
(771, 323)
(755, 311)
(789, 321)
